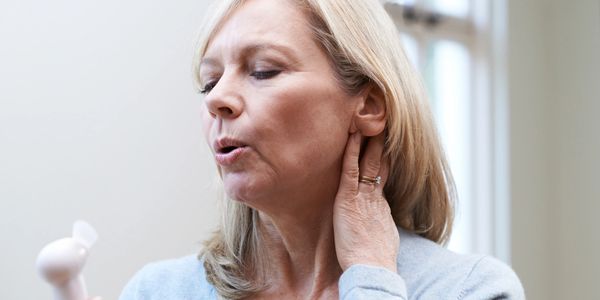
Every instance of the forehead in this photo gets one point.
(256, 22)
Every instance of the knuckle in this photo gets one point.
(352, 172)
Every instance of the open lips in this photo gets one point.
(227, 145)
(228, 151)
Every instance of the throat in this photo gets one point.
(299, 257)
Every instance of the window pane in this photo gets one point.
(458, 8)
(411, 48)
(448, 77)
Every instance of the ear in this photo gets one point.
(369, 116)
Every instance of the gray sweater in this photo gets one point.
(425, 271)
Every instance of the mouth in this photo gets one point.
(228, 151)
(227, 145)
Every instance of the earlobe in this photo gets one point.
(370, 114)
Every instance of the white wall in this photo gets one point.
(555, 102)
(99, 120)
(529, 156)
(575, 145)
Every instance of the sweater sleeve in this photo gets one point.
(367, 282)
(491, 279)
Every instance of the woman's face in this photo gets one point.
(276, 118)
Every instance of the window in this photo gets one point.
(450, 41)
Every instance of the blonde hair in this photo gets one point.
(363, 47)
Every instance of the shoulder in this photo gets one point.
(432, 271)
(181, 278)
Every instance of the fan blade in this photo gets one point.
(84, 233)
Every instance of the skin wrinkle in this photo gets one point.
(255, 48)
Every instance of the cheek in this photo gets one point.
(312, 125)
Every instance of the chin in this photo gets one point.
(243, 189)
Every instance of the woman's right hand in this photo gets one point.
(364, 230)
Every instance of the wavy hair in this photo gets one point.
(363, 47)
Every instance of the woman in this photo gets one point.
(336, 180)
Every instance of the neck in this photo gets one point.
(300, 246)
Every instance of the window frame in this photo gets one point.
(482, 32)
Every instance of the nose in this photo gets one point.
(224, 101)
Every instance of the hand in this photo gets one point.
(95, 298)
(364, 230)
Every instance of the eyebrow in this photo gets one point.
(252, 49)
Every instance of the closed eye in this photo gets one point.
(262, 75)
(208, 87)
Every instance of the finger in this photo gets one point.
(349, 178)
(384, 172)
(370, 163)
